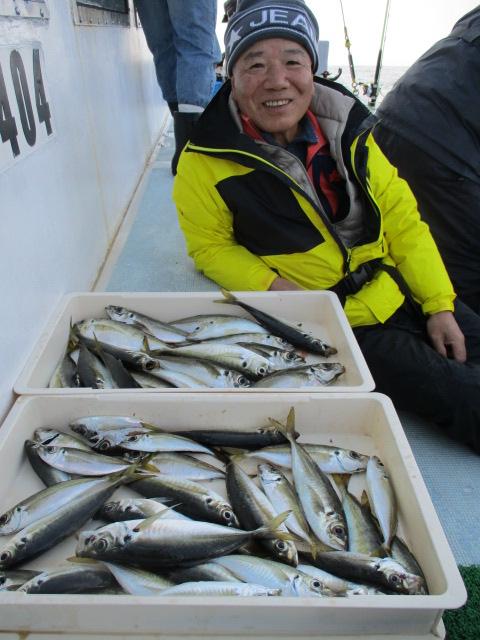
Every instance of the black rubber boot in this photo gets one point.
(183, 124)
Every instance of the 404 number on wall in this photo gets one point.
(25, 114)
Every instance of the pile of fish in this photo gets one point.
(288, 526)
(131, 350)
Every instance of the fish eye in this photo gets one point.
(244, 364)
(336, 452)
(354, 455)
(101, 545)
(104, 445)
(339, 531)
(149, 365)
(316, 584)
(227, 515)
(394, 579)
(262, 371)
(131, 316)
(4, 519)
(280, 544)
(132, 438)
(6, 555)
(50, 449)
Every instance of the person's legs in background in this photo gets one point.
(157, 27)
(197, 49)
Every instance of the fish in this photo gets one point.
(269, 573)
(163, 331)
(248, 439)
(284, 498)
(193, 499)
(208, 326)
(93, 372)
(45, 533)
(382, 499)
(211, 374)
(294, 336)
(230, 356)
(138, 358)
(12, 580)
(65, 374)
(116, 334)
(184, 465)
(309, 375)
(43, 503)
(158, 543)
(256, 338)
(76, 461)
(137, 509)
(162, 442)
(44, 471)
(337, 586)
(138, 582)
(217, 589)
(319, 500)
(92, 427)
(363, 533)
(254, 509)
(328, 458)
(120, 374)
(44, 435)
(85, 577)
(400, 552)
(383, 572)
(278, 358)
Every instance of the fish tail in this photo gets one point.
(270, 530)
(229, 298)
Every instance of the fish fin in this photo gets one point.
(73, 337)
(149, 521)
(341, 482)
(364, 501)
(229, 298)
(271, 528)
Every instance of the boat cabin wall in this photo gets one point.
(80, 113)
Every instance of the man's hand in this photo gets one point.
(282, 284)
(446, 336)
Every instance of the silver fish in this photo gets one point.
(45, 533)
(161, 330)
(275, 575)
(93, 372)
(284, 498)
(337, 586)
(309, 375)
(206, 327)
(279, 358)
(192, 498)
(91, 427)
(162, 442)
(137, 509)
(65, 374)
(254, 509)
(185, 466)
(86, 463)
(383, 572)
(44, 471)
(44, 435)
(219, 589)
(289, 332)
(12, 580)
(116, 334)
(320, 503)
(209, 373)
(363, 533)
(329, 459)
(44, 502)
(85, 577)
(162, 543)
(382, 499)
(400, 552)
(138, 582)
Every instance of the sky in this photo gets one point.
(413, 26)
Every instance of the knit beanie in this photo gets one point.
(260, 19)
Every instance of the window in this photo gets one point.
(102, 12)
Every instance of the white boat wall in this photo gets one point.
(80, 112)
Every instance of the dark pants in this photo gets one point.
(450, 205)
(418, 379)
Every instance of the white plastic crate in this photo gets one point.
(319, 311)
(365, 422)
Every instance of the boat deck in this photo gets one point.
(149, 255)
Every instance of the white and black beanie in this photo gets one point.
(260, 19)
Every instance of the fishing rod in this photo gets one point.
(350, 57)
(374, 87)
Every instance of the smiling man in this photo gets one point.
(283, 187)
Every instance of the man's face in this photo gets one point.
(272, 83)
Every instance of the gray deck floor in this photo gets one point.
(150, 256)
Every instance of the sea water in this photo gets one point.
(365, 75)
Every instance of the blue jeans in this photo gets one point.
(181, 36)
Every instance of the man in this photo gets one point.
(280, 188)
(430, 130)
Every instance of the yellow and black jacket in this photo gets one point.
(249, 213)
